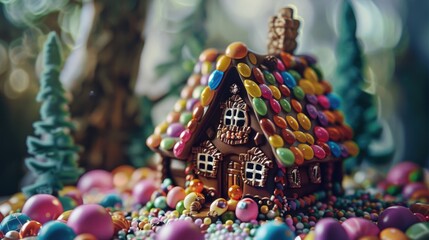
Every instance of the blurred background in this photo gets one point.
(125, 63)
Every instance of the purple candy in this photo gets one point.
(359, 227)
(323, 120)
(175, 129)
(312, 111)
(328, 229)
(311, 99)
(204, 79)
(191, 103)
(266, 91)
(396, 217)
(411, 188)
(99, 180)
(180, 229)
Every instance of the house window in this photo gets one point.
(235, 117)
(254, 172)
(294, 177)
(205, 163)
(314, 173)
(254, 167)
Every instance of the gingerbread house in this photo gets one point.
(269, 124)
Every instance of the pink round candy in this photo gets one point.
(179, 230)
(42, 208)
(323, 101)
(411, 188)
(359, 227)
(321, 134)
(275, 105)
(318, 151)
(92, 219)
(143, 190)
(99, 180)
(246, 210)
(175, 195)
(398, 175)
(266, 91)
(178, 149)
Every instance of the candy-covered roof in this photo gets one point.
(295, 106)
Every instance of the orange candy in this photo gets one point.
(235, 192)
(196, 185)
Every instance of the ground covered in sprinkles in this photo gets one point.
(125, 204)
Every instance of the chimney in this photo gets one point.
(282, 33)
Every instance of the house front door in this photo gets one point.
(232, 171)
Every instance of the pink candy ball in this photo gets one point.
(92, 219)
(179, 230)
(42, 208)
(359, 227)
(246, 210)
(175, 195)
(143, 190)
(399, 174)
(99, 180)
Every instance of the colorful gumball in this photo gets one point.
(30, 229)
(246, 210)
(93, 219)
(232, 205)
(175, 195)
(196, 185)
(177, 230)
(403, 173)
(392, 234)
(111, 200)
(55, 230)
(13, 222)
(121, 176)
(328, 228)
(359, 227)
(95, 180)
(85, 236)
(418, 231)
(274, 230)
(235, 192)
(143, 190)
(218, 207)
(411, 188)
(42, 208)
(64, 216)
(396, 217)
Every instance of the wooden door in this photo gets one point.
(232, 172)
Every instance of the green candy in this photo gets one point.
(418, 231)
(185, 117)
(197, 91)
(285, 105)
(260, 106)
(180, 206)
(269, 78)
(295, 74)
(167, 143)
(298, 92)
(286, 156)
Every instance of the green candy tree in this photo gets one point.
(358, 105)
(55, 155)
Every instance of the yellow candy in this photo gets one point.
(276, 141)
(310, 74)
(264, 209)
(307, 151)
(275, 91)
(207, 221)
(161, 128)
(206, 96)
(252, 58)
(206, 68)
(292, 122)
(244, 69)
(318, 88)
(304, 121)
(310, 138)
(352, 147)
(147, 226)
(223, 63)
(307, 86)
(180, 105)
(310, 235)
(300, 136)
(252, 88)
